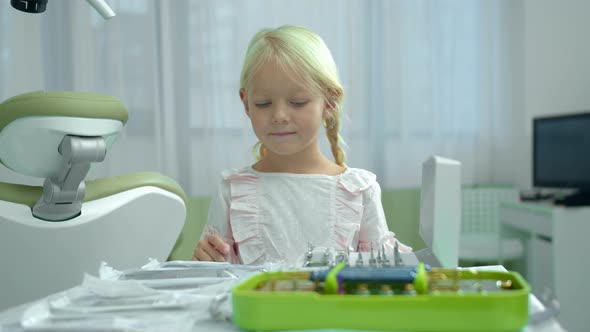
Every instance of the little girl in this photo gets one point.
(293, 196)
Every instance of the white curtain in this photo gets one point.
(420, 78)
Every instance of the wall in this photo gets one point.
(550, 59)
(556, 68)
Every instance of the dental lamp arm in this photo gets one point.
(102, 8)
(39, 6)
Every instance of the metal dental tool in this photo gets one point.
(397, 258)
(326, 257)
(359, 259)
(342, 258)
(386, 262)
(308, 255)
(372, 260)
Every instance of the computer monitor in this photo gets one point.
(440, 211)
(561, 155)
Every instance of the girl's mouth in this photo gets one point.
(282, 133)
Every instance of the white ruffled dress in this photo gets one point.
(271, 217)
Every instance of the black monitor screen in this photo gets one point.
(561, 151)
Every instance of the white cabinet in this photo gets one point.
(541, 272)
(557, 254)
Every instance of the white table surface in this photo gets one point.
(10, 319)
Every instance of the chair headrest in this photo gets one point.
(96, 189)
(32, 126)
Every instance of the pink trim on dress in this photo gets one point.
(243, 211)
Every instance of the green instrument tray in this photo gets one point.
(456, 311)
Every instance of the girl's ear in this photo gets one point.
(329, 109)
(244, 99)
(331, 103)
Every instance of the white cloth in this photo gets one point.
(271, 217)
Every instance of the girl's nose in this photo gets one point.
(280, 116)
(277, 121)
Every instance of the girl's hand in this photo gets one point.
(211, 248)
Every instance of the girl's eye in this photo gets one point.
(262, 104)
(299, 103)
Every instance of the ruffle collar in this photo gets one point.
(356, 180)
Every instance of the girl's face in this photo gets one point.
(285, 116)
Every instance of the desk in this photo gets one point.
(10, 319)
(556, 253)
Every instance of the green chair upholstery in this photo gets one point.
(95, 189)
(197, 210)
(401, 206)
(62, 103)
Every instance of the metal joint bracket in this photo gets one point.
(63, 194)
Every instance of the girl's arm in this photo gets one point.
(218, 223)
(374, 227)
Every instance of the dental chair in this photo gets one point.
(51, 235)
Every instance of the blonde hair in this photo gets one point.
(304, 53)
